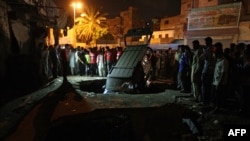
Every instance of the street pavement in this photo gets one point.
(59, 99)
(14, 111)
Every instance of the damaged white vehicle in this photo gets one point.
(132, 73)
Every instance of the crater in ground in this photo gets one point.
(97, 86)
(125, 124)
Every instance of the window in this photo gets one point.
(166, 35)
(160, 36)
(166, 22)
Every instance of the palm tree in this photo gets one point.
(91, 26)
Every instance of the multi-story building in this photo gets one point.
(226, 21)
(119, 25)
(225, 26)
(172, 28)
(222, 24)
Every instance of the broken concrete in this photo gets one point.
(63, 110)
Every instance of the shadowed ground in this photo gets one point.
(67, 110)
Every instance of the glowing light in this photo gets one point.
(76, 5)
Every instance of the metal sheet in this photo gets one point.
(125, 66)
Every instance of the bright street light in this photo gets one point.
(76, 5)
(83, 15)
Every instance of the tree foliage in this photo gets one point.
(91, 26)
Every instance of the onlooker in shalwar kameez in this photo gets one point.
(208, 59)
(220, 77)
(196, 70)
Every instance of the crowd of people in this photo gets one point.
(66, 60)
(213, 73)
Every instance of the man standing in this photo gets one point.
(81, 61)
(177, 57)
(72, 60)
(92, 64)
(64, 61)
(108, 56)
(196, 70)
(208, 59)
(100, 63)
(220, 76)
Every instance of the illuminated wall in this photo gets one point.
(221, 16)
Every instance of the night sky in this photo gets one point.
(147, 8)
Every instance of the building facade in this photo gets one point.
(228, 28)
(224, 27)
(119, 25)
(226, 21)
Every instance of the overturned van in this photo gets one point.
(132, 72)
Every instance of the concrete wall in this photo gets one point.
(244, 31)
(169, 22)
(206, 3)
(4, 39)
